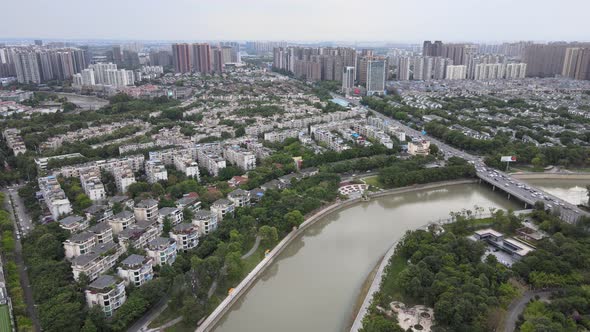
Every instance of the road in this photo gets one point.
(517, 307)
(526, 193)
(18, 256)
(25, 223)
(253, 249)
(155, 311)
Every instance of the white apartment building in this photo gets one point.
(162, 250)
(239, 197)
(155, 171)
(100, 72)
(124, 177)
(136, 270)
(108, 292)
(93, 187)
(188, 202)
(388, 128)
(419, 148)
(173, 214)
(73, 224)
(281, 136)
(240, 157)
(188, 166)
(168, 157)
(139, 234)
(14, 141)
(209, 156)
(79, 244)
(456, 72)
(97, 261)
(135, 162)
(206, 221)
(185, 235)
(55, 198)
(222, 207)
(516, 70)
(146, 210)
(121, 221)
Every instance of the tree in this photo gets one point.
(167, 226)
(269, 235)
(158, 189)
(235, 266)
(88, 326)
(379, 324)
(294, 218)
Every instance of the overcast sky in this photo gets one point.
(296, 20)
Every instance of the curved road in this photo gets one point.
(517, 307)
(253, 249)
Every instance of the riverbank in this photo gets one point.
(211, 321)
(551, 176)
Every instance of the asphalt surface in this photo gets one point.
(517, 307)
(526, 193)
(25, 224)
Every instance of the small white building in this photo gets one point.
(222, 207)
(173, 214)
(121, 221)
(419, 148)
(136, 270)
(155, 171)
(239, 197)
(162, 250)
(108, 292)
(191, 203)
(185, 235)
(146, 210)
(79, 244)
(73, 224)
(187, 165)
(206, 221)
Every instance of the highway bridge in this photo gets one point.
(499, 180)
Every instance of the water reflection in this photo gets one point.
(312, 286)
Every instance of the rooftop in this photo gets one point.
(102, 282)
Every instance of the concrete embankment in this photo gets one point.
(252, 277)
(552, 176)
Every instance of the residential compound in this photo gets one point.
(54, 197)
(14, 141)
(37, 64)
(108, 292)
(546, 100)
(92, 185)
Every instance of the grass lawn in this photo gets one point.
(251, 262)
(373, 181)
(165, 316)
(5, 323)
(389, 286)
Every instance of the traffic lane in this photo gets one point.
(446, 148)
(23, 219)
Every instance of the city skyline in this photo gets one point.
(306, 20)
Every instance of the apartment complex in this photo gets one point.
(108, 292)
(54, 197)
(136, 270)
(185, 235)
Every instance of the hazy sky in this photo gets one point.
(313, 20)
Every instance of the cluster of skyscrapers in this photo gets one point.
(202, 58)
(105, 74)
(35, 64)
(341, 64)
